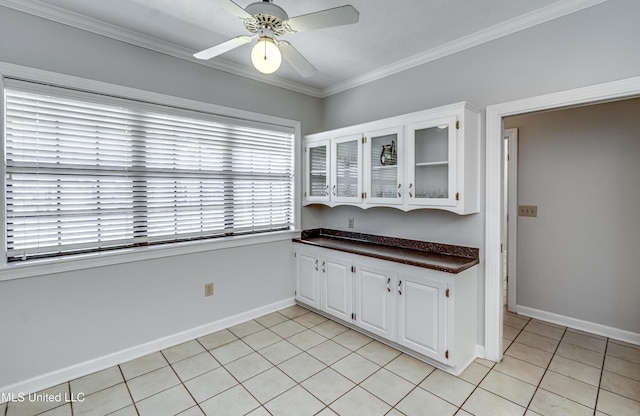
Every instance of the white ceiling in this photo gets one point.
(391, 35)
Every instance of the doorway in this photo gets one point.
(494, 190)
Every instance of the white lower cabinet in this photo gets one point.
(422, 306)
(336, 287)
(374, 311)
(307, 279)
(428, 313)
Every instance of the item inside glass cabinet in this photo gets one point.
(388, 156)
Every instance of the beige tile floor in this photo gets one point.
(295, 362)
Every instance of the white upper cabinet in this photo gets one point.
(428, 159)
(346, 169)
(431, 167)
(384, 160)
(317, 156)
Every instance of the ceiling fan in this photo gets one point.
(266, 21)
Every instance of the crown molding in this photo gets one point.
(534, 18)
(56, 14)
(508, 27)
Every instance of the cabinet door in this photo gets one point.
(317, 161)
(374, 300)
(384, 161)
(422, 315)
(307, 279)
(432, 163)
(337, 286)
(346, 169)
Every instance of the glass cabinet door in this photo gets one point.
(432, 176)
(317, 175)
(384, 168)
(346, 178)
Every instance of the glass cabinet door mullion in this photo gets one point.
(384, 167)
(433, 148)
(317, 180)
(346, 183)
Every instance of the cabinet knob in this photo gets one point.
(316, 264)
(400, 287)
(388, 284)
(334, 190)
(323, 267)
(410, 191)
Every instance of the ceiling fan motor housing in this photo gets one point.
(266, 14)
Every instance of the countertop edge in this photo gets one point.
(424, 264)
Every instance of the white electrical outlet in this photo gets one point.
(350, 222)
(208, 289)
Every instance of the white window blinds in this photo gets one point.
(85, 172)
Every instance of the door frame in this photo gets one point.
(511, 221)
(494, 135)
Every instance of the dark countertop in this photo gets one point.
(443, 257)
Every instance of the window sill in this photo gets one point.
(87, 261)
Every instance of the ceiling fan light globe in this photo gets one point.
(266, 56)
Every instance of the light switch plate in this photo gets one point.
(527, 211)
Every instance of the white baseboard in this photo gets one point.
(594, 328)
(82, 369)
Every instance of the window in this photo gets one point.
(87, 172)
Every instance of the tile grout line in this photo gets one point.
(262, 405)
(547, 369)
(604, 358)
(326, 407)
(181, 381)
(417, 386)
(491, 369)
(477, 386)
(299, 384)
(128, 391)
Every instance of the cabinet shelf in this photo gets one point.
(426, 164)
(386, 167)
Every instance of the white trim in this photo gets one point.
(493, 211)
(64, 264)
(69, 81)
(533, 18)
(512, 224)
(591, 327)
(98, 27)
(78, 370)
(502, 29)
(3, 175)
(18, 270)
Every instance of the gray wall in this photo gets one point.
(58, 320)
(39, 43)
(592, 46)
(579, 257)
(52, 322)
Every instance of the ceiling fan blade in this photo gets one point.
(223, 47)
(296, 60)
(338, 16)
(233, 8)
